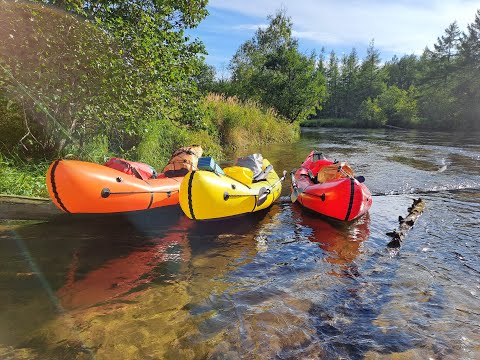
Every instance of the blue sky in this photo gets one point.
(397, 27)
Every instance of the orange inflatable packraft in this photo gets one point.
(85, 187)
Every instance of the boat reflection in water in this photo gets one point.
(341, 241)
(119, 270)
(122, 278)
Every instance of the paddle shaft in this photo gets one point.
(262, 192)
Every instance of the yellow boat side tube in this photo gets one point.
(205, 195)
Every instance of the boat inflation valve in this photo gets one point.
(105, 193)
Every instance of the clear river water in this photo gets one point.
(281, 284)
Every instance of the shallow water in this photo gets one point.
(283, 283)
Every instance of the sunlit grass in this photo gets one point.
(246, 124)
(19, 177)
(229, 124)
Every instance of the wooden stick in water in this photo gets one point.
(406, 224)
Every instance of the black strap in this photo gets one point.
(135, 172)
(181, 151)
(130, 167)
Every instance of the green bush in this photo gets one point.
(329, 122)
(12, 125)
(399, 106)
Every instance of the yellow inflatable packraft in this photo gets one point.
(205, 195)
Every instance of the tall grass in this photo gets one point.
(19, 177)
(243, 124)
(162, 138)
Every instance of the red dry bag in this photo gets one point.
(139, 170)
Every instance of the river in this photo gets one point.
(283, 283)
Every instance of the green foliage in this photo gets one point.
(110, 75)
(270, 69)
(12, 125)
(371, 78)
(440, 89)
(403, 72)
(162, 138)
(205, 78)
(371, 114)
(436, 107)
(329, 122)
(399, 106)
(350, 82)
(94, 150)
(450, 85)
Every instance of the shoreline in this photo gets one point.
(13, 207)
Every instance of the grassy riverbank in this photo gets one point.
(228, 124)
(19, 177)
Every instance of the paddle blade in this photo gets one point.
(296, 192)
(360, 179)
(262, 196)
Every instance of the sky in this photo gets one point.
(398, 27)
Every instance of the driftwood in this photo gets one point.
(406, 224)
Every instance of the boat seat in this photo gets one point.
(242, 174)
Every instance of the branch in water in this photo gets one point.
(406, 224)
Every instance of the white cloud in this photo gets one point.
(249, 26)
(402, 26)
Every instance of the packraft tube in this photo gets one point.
(206, 195)
(85, 187)
(342, 198)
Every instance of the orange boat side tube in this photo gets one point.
(84, 187)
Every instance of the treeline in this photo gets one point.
(438, 90)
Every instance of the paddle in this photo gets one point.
(360, 178)
(296, 190)
(262, 192)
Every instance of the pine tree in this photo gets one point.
(333, 79)
(370, 78)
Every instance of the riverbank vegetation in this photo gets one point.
(270, 70)
(91, 80)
